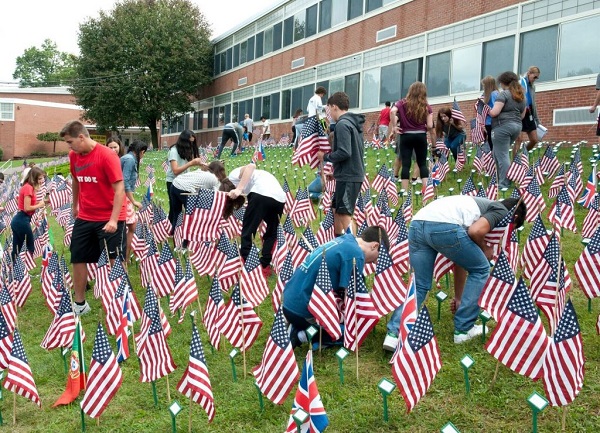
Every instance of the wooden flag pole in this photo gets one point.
(242, 313)
(355, 318)
(564, 417)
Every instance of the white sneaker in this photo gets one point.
(461, 337)
(390, 342)
(419, 180)
(80, 310)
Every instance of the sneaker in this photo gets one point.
(80, 310)
(390, 342)
(296, 337)
(461, 337)
(419, 180)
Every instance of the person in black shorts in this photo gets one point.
(530, 121)
(347, 159)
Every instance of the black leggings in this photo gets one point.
(418, 143)
(488, 135)
(260, 208)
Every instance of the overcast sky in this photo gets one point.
(28, 23)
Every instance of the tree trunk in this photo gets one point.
(154, 134)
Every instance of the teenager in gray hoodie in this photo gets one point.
(347, 159)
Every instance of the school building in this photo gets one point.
(374, 49)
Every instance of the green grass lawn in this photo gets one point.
(355, 406)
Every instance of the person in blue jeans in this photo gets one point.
(455, 226)
(450, 129)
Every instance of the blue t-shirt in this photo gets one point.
(339, 254)
(493, 96)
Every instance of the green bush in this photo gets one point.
(1, 153)
(38, 154)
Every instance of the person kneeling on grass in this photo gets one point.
(455, 226)
(339, 255)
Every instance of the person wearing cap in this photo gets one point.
(98, 206)
(31, 180)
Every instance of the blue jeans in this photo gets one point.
(315, 189)
(425, 240)
(21, 230)
(454, 143)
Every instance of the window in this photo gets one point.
(370, 88)
(217, 65)
(438, 74)
(243, 52)
(198, 115)
(373, 4)
(324, 15)
(538, 48)
(389, 89)
(277, 33)
(210, 118)
(223, 62)
(299, 25)
(355, 8)
(236, 55)
(259, 44)
(351, 83)
(339, 12)
(311, 20)
(285, 104)
(250, 53)
(228, 59)
(268, 43)
(257, 109)
(298, 100)
(274, 105)
(412, 70)
(336, 85)
(266, 106)
(466, 67)
(498, 56)
(577, 43)
(288, 31)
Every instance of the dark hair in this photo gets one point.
(218, 169)
(137, 147)
(184, 146)
(439, 125)
(121, 151)
(74, 128)
(298, 112)
(340, 99)
(321, 90)
(520, 212)
(388, 104)
(230, 204)
(1, 176)
(33, 175)
(511, 80)
(264, 116)
(376, 234)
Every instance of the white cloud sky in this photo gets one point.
(29, 23)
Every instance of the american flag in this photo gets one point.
(239, 323)
(399, 249)
(576, 161)
(407, 209)
(592, 219)
(461, 159)
(283, 276)
(19, 378)
(252, 282)
(185, 291)
(104, 379)
(214, 307)
(564, 360)
(178, 232)
(360, 315)
(428, 190)
(23, 281)
(230, 267)
(161, 226)
(6, 341)
(538, 171)
(482, 110)
(557, 183)
(536, 244)
(518, 168)
(289, 232)
(323, 305)
(203, 257)
(498, 288)
(195, 383)
(52, 283)
(149, 262)
(9, 311)
(408, 317)
(533, 199)
(40, 238)
(309, 399)
(164, 277)
(567, 214)
(520, 341)
(312, 140)
(62, 195)
(542, 271)
(389, 291)
(478, 161)
(381, 179)
(289, 198)
(587, 267)
(375, 142)
(574, 184)
(203, 214)
(441, 267)
(152, 349)
(138, 243)
(277, 373)
(587, 196)
(326, 232)
(418, 361)
(385, 220)
(62, 329)
(481, 191)
(455, 113)
(102, 271)
(549, 162)
(165, 165)
(302, 211)
(469, 188)
(492, 189)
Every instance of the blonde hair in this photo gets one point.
(489, 85)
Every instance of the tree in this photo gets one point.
(141, 62)
(50, 136)
(45, 66)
